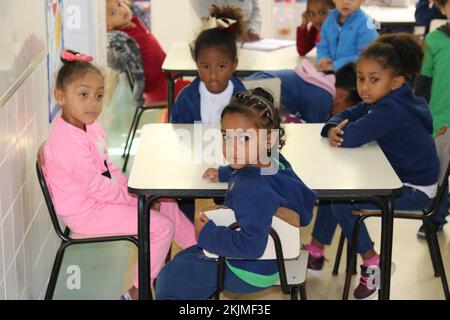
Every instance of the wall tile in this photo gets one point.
(5, 188)
(8, 239)
(11, 283)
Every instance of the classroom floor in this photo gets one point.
(107, 269)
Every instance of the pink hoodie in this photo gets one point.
(74, 163)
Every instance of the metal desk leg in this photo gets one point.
(144, 249)
(387, 229)
(170, 93)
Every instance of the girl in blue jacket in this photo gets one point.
(215, 54)
(344, 34)
(401, 124)
(256, 190)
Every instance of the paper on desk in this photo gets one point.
(268, 44)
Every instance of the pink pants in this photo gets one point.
(165, 226)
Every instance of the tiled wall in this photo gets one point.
(27, 241)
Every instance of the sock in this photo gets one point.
(374, 261)
(315, 251)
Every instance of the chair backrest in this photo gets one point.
(436, 23)
(285, 223)
(49, 202)
(272, 85)
(443, 151)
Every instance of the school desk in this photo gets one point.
(391, 16)
(168, 164)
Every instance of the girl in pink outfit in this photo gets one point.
(89, 192)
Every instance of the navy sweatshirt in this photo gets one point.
(254, 199)
(187, 106)
(312, 103)
(401, 124)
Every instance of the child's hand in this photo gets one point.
(324, 64)
(199, 223)
(40, 155)
(305, 19)
(212, 175)
(156, 206)
(252, 36)
(334, 134)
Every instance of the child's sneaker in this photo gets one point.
(363, 291)
(315, 261)
(315, 265)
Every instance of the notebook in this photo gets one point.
(268, 44)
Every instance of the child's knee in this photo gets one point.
(163, 228)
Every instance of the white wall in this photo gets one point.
(28, 242)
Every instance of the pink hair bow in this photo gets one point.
(69, 56)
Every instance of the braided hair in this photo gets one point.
(259, 106)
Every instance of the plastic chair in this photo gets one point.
(148, 105)
(68, 239)
(283, 246)
(443, 149)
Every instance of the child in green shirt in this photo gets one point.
(434, 80)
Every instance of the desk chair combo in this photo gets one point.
(67, 237)
(283, 246)
(443, 150)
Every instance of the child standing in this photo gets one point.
(253, 196)
(119, 17)
(344, 34)
(308, 33)
(401, 124)
(215, 54)
(433, 83)
(89, 192)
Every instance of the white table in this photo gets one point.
(179, 61)
(165, 166)
(391, 16)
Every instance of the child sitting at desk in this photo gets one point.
(401, 124)
(89, 193)
(119, 17)
(215, 53)
(433, 84)
(346, 31)
(259, 184)
(308, 33)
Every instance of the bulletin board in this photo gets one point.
(55, 46)
(22, 42)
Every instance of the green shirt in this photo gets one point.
(436, 65)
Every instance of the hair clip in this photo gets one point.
(69, 56)
(218, 23)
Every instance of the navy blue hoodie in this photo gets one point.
(187, 106)
(402, 125)
(254, 199)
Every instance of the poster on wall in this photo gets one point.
(55, 46)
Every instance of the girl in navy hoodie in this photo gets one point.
(215, 54)
(257, 189)
(400, 123)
